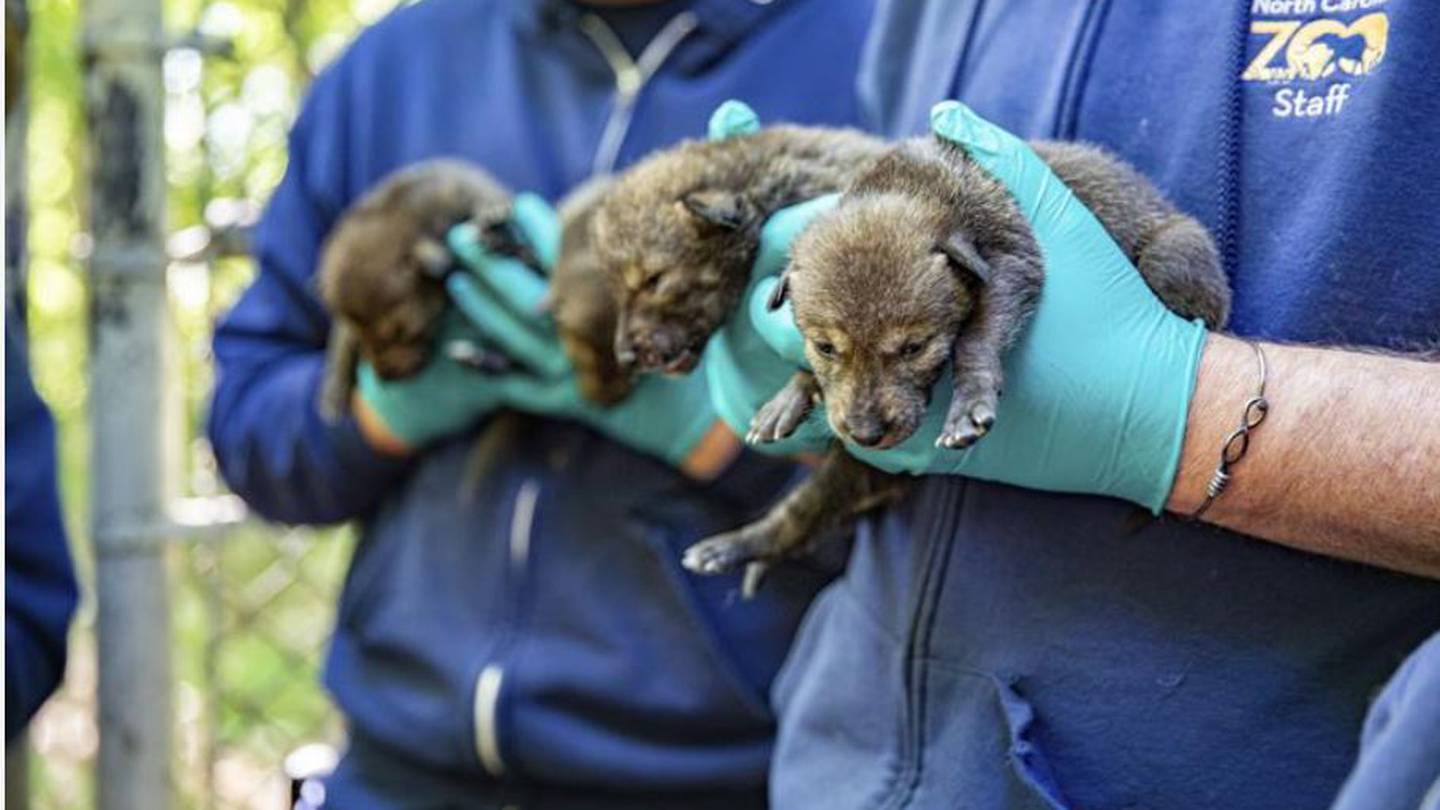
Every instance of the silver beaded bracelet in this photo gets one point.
(1238, 442)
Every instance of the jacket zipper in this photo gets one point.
(1077, 70)
(485, 702)
(631, 76)
(940, 542)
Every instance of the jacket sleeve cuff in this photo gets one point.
(362, 461)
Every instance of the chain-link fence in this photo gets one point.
(252, 611)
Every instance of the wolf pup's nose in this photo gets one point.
(665, 343)
(866, 433)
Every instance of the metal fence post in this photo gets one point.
(124, 45)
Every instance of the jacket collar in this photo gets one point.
(721, 23)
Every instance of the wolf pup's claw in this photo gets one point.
(780, 417)
(755, 573)
(726, 553)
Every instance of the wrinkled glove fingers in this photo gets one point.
(523, 339)
(539, 225)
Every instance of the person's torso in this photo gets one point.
(1021, 649)
(537, 628)
(1298, 131)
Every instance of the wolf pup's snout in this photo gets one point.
(659, 347)
(876, 418)
(866, 431)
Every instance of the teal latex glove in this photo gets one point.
(498, 302)
(446, 396)
(741, 362)
(757, 351)
(1098, 386)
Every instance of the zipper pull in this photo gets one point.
(628, 80)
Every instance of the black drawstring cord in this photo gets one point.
(1227, 203)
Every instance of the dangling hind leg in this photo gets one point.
(839, 490)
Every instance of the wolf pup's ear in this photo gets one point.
(965, 260)
(723, 209)
(780, 292)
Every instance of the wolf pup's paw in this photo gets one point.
(779, 417)
(971, 414)
(728, 552)
(720, 554)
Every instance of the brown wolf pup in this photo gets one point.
(382, 268)
(382, 278)
(679, 231)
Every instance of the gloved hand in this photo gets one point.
(743, 367)
(757, 351)
(498, 303)
(446, 396)
(1098, 386)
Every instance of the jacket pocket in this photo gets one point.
(977, 745)
(425, 606)
(853, 738)
(365, 585)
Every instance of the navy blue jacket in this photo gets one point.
(997, 648)
(1399, 763)
(40, 589)
(533, 632)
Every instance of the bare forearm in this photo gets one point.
(1346, 463)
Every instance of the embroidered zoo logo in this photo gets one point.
(1301, 54)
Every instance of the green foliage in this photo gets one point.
(252, 609)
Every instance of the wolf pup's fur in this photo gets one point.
(926, 261)
(678, 234)
(583, 301)
(961, 272)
